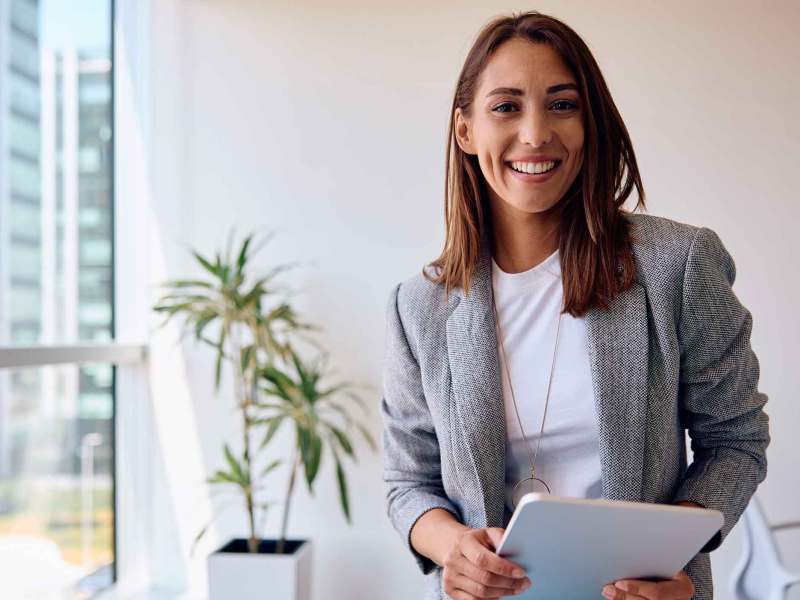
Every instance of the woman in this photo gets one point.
(549, 295)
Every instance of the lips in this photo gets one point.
(534, 177)
(557, 162)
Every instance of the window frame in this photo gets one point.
(127, 352)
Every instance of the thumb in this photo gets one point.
(495, 534)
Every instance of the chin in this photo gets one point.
(535, 206)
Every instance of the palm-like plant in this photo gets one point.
(226, 311)
(319, 420)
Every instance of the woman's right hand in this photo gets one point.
(471, 569)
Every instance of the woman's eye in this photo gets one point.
(562, 106)
(570, 105)
(499, 106)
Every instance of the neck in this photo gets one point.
(523, 240)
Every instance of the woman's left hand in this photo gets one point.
(680, 587)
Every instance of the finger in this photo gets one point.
(460, 595)
(485, 559)
(495, 535)
(465, 567)
(614, 593)
(477, 589)
(683, 576)
(678, 587)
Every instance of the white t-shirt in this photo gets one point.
(528, 305)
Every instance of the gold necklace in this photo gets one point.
(533, 454)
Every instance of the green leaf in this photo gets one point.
(238, 472)
(184, 299)
(316, 456)
(206, 264)
(220, 355)
(268, 406)
(283, 384)
(201, 324)
(199, 536)
(273, 424)
(298, 365)
(222, 477)
(343, 497)
(343, 440)
(270, 467)
(246, 355)
(242, 259)
(185, 283)
(310, 452)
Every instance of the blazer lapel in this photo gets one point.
(617, 344)
(477, 389)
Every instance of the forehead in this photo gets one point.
(524, 64)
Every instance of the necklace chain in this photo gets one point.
(533, 454)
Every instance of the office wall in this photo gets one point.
(327, 121)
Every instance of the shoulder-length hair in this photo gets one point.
(594, 242)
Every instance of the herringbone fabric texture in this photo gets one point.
(671, 353)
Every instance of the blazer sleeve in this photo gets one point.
(411, 462)
(720, 402)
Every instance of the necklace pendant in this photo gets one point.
(528, 486)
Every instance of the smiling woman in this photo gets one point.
(529, 94)
(548, 292)
(505, 123)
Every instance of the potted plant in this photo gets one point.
(272, 387)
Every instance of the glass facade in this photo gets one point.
(55, 195)
(56, 497)
(56, 287)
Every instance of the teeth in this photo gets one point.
(533, 168)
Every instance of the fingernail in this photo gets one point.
(519, 573)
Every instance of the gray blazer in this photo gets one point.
(671, 353)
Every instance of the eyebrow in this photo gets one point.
(512, 91)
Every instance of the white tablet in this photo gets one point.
(572, 547)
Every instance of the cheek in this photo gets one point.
(493, 144)
(576, 141)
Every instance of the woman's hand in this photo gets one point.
(473, 570)
(680, 587)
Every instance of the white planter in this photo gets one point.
(235, 573)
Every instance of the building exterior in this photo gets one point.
(56, 274)
(20, 203)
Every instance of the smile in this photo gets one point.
(534, 168)
(533, 172)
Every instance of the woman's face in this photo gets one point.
(526, 114)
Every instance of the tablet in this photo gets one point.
(572, 547)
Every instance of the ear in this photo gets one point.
(463, 132)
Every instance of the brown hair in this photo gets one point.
(596, 256)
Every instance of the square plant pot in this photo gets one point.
(233, 572)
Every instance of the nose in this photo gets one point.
(535, 129)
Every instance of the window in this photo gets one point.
(56, 489)
(58, 355)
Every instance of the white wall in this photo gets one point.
(327, 120)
